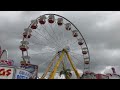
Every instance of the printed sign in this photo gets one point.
(6, 72)
(22, 74)
(33, 69)
(7, 62)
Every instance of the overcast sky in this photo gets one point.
(99, 28)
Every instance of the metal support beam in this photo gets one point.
(74, 68)
(56, 66)
(49, 66)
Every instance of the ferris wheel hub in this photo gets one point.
(67, 48)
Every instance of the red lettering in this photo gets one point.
(8, 72)
(2, 72)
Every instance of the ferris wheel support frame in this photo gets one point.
(64, 51)
(71, 63)
(52, 74)
(48, 68)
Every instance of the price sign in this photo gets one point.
(6, 73)
(22, 74)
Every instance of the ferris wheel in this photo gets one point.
(57, 43)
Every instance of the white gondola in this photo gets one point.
(28, 30)
(25, 34)
(24, 42)
(68, 26)
(60, 21)
(34, 21)
(75, 33)
(86, 62)
(80, 41)
(86, 59)
(84, 50)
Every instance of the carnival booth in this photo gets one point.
(8, 70)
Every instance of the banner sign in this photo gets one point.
(22, 74)
(33, 69)
(6, 72)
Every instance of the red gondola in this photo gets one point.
(42, 19)
(51, 19)
(23, 47)
(34, 26)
